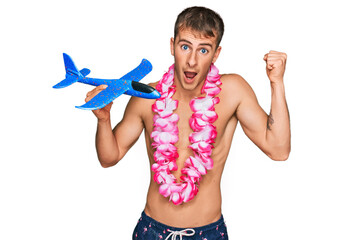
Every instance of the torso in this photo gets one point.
(205, 208)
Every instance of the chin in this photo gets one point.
(190, 86)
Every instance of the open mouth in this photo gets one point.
(189, 76)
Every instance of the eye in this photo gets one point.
(204, 51)
(184, 47)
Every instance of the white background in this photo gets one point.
(51, 184)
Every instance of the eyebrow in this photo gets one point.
(202, 44)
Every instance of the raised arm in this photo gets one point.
(271, 133)
(112, 145)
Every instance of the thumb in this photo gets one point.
(269, 66)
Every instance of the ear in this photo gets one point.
(216, 54)
(172, 46)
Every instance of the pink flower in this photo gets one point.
(191, 173)
(176, 187)
(162, 157)
(167, 80)
(207, 116)
(213, 73)
(176, 198)
(208, 134)
(164, 107)
(163, 177)
(164, 166)
(165, 190)
(210, 89)
(190, 190)
(171, 91)
(201, 147)
(166, 124)
(197, 124)
(207, 161)
(204, 108)
(156, 167)
(172, 190)
(164, 137)
(167, 149)
(197, 164)
(201, 104)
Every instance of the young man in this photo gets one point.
(189, 130)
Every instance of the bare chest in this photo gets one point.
(224, 110)
(184, 130)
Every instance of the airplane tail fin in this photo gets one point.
(72, 74)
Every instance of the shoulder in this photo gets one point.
(141, 106)
(153, 84)
(235, 86)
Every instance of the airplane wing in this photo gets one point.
(139, 72)
(84, 71)
(66, 82)
(104, 98)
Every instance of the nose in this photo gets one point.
(155, 94)
(192, 60)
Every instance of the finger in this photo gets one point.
(276, 61)
(272, 56)
(99, 88)
(107, 108)
(90, 93)
(109, 105)
(278, 54)
(95, 91)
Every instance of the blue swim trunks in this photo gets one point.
(149, 229)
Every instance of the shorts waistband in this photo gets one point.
(162, 227)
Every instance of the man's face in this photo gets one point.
(193, 54)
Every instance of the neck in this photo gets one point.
(185, 94)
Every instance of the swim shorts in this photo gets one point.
(149, 229)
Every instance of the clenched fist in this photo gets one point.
(275, 65)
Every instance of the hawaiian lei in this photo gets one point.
(165, 135)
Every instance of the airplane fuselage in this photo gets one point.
(135, 89)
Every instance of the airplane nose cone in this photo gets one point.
(156, 94)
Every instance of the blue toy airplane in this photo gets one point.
(127, 84)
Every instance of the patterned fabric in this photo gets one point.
(149, 229)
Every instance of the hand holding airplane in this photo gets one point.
(128, 84)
